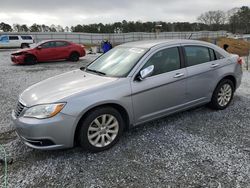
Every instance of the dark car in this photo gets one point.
(50, 50)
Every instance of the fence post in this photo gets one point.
(91, 39)
(36, 38)
(248, 59)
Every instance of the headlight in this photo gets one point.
(44, 110)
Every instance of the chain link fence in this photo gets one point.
(118, 38)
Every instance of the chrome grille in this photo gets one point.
(19, 109)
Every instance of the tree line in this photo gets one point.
(236, 20)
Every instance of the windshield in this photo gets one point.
(117, 62)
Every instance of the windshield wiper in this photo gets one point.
(95, 71)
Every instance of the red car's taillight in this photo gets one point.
(240, 61)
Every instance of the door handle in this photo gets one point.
(214, 65)
(178, 75)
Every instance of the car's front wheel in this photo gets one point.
(101, 129)
(223, 95)
(30, 60)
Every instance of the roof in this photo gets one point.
(52, 40)
(153, 43)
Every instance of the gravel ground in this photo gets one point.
(196, 148)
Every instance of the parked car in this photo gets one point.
(49, 50)
(131, 84)
(16, 41)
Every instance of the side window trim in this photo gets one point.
(182, 57)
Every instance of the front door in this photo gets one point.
(164, 91)
(47, 52)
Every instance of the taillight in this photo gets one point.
(240, 61)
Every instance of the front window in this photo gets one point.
(50, 44)
(117, 62)
(165, 60)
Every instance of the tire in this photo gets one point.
(30, 60)
(74, 56)
(96, 137)
(223, 95)
(24, 45)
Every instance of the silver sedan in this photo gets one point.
(131, 84)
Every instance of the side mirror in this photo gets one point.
(39, 47)
(146, 72)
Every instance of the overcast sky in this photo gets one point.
(66, 12)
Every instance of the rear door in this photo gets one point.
(164, 91)
(202, 70)
(63, 49)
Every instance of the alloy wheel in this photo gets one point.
(224, 95)
(103, 130)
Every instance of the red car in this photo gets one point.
(50, 50)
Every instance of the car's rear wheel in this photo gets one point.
(30, 60)
(101, 129)
(223, 95)
(74, 56)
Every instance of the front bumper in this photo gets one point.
(52, 133)
(18, 59)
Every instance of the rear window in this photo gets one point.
(196, 55)
(13, 38)
(61, 43)
(26, 37)
(212, 54)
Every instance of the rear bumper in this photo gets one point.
(82, 52)
(46, 134)
(17, 59)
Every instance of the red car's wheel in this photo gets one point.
(74, 56)
(30, 60)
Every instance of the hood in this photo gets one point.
(22, 50)
(57, 88)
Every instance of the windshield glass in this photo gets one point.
(117, 62)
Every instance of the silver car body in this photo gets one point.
(140, 101)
